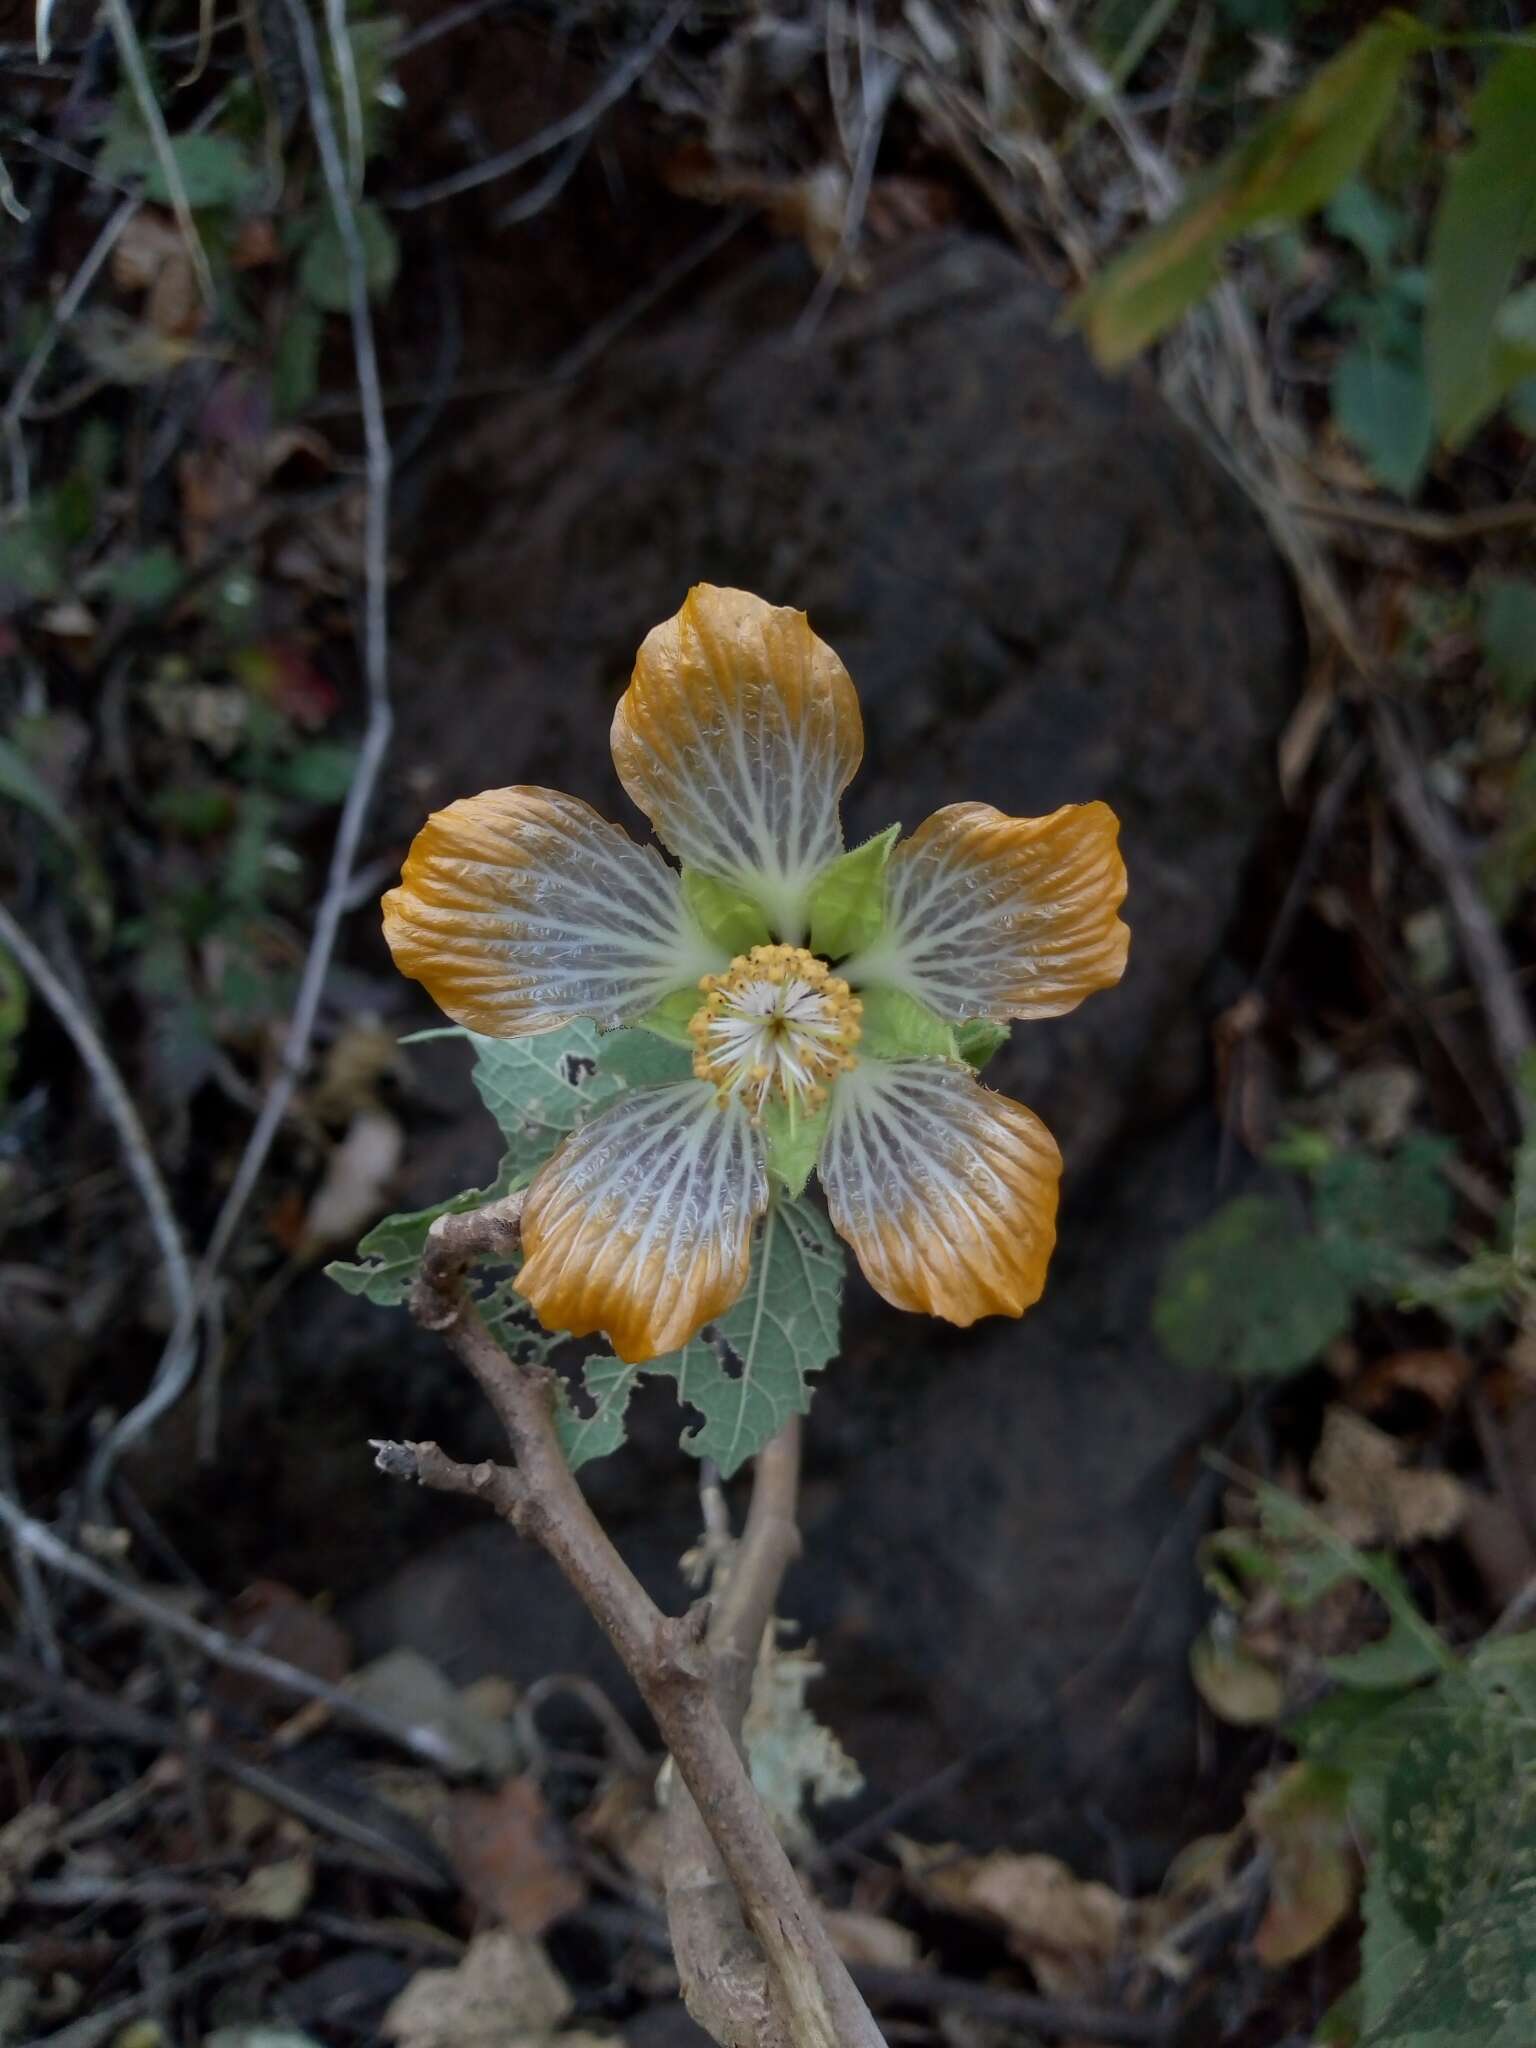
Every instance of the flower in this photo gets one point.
(817, 992)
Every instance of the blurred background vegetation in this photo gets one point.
(258, 269)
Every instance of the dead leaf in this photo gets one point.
(506, 1849)
(273, 1891)
(270, 1616)
(24, 1841)
(404, 1685)
(1066, 1929)
(1301, 1818)
(624, 1820)
(1237, 1686)
(1370, 1498)
(1439, 1376)
(872, 1941)
(352, 1191)
(505, 1993)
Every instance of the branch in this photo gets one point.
(810, 1999)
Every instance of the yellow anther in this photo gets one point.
(778, 1023)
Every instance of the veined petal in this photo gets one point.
(641, 1224)
(945, 1190)
(737, 735)
(992, 916)
(520, 909)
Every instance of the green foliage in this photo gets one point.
(1255, 1291)
(1485, 226)
(1247, 1294)
(1507, 631)
(848, 901)
(748, 1373)
(1381, 404)
(979, 1040)
(215, 169)
(745, 1374)
(539, 1089)
(324, 278)
(728, 917)
(793, 1144)
(13, 1018)
(1296, 159)
(898, 1027)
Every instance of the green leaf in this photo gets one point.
(1381, 405)
(296, 359)
(1247, 1294)
(847, 906)
(640, 1059)
(671, 1016)
(13, 1018)
(793, 1144)
(979, 1039)
(1376, 1217)
(748, 1373)
(1507, 630)
(1368, 222)
(146, 580)
(539, 1089)
(1483, 228)
(1400, 1658)
(215, 170)
(728, 918)
(21, 783)
(1450, 1938)
(388, 1257)
(324, 277)
(896, 1026)
(608, 1383)
(319, 773)
(30, 562)
(1297, 158)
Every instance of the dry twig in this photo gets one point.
(687, 1668)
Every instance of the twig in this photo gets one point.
(1435, 526)
(126, 36)
(1019, 2008)
(1427, 823)
(152, 1731)
(39, 1541)
(814, 2002)
(569, 125)
(137, 1151)
(178, 1360)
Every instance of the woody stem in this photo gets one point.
(690, 1670)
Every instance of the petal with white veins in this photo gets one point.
(945, 1190)
(992, 916)
(520, 909)
(641, 1224)
(737, 735)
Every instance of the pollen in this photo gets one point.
(779, 1024)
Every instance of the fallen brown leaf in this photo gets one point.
(1370, 1498)
(1301, 1818)
(506, 1849)
(504, 1994)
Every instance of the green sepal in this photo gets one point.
(979, 1038)
(848, 898)
(670, 1017)
(793, 1144)
(899, 1027)
(726, 916)
(643, 1059)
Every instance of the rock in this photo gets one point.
(1045, 593)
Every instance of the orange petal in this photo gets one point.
(737, 735)
(521, 908)
(641, 1224)
(945, 1190)
(992, 916)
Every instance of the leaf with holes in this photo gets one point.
(608, 1382)
(750, 1371)
(539, 1089)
